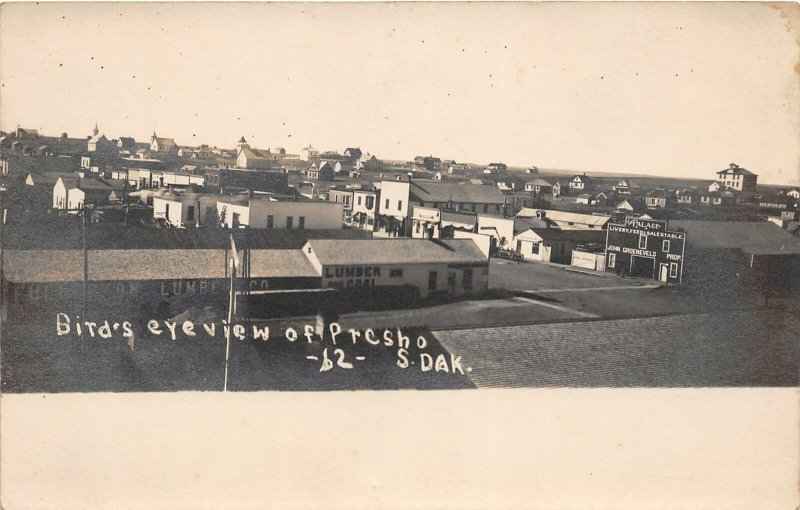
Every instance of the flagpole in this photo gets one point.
(234, 261)
(230, 327)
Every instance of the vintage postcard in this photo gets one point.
(577, 224)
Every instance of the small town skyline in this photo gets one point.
(699, 174)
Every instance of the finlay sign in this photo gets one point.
(657, 225)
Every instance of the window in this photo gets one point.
(235, 220)
(210, 211)
(612, 260)
(301, 222)
(399, 205)
(642, 241)
(346, 200)
(166, 212)
(190, 213)
(270, 221)
(432, 280)
(535, 248)
(359, 199)
(289, 221)
(519, 246)
(387, 204)
(665, 245)
(673, 270)
(395, 273)
(468, 279)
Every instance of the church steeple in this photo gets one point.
(95, 131)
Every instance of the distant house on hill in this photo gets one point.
(656, 199)
(368, 162)
(256, 159)
(579, 182)
(456, 168)
(625, 205)
(353, 153)
(513, 182)
(687, 196)
(738, 178)
(99, 143)
(323, 172)
(495, 168)
(25, 133)
(309, 153)
(538, 186)
(623, 187)
(158, 144)
(430, 163)
(126, 142)
(73, 194)
(601, 199)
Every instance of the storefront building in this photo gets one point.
(645, 249)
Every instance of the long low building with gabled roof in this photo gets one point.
(435, 267)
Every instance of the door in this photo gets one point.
(642, 267)
(663, 273)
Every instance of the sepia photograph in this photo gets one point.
(328, 202)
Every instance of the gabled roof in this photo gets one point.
(579, 178)
(458, 217)
(538, 181)
(462, 193)
(581, 236)
(523, 224)
(735, 169)
(353, 152)
(757, 238)
(98, 138)
(396, 251)
(657, 193)
(64, 234)
(148, 264)
(251, 153)
(50, 177)
(565, 216)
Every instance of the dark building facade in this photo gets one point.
(645, 249)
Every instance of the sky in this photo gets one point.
(678, 89)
